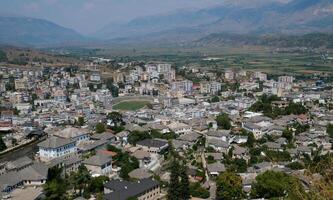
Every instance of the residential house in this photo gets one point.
(156, 146)
(144, 189)
(99, 165)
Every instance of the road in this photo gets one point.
(212, 184)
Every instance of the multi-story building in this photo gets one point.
(56, 147)
(183, 86)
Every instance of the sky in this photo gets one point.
(88, 16)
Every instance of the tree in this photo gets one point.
(136, 136)
(80, 121)
(197, 191)
(81, 179)
(116, 117)
(223, 121)
(55, 190)
(229, 186)
(179, 187)
(329, 130)
(271, 184)
(2, 145)
(174, 189)
(215, 99)
(96, 185)
(55, 187)
(184, 183)
(100, 128)
(288, 134)
(3, 56)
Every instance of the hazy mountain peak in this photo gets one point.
(33, 31)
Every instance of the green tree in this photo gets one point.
(184, 183)
(174, 185)
(288, 134)
(100, 128)
(96, 185)
(271, 184)
(55, 190)
(329, 130)
(215, 99)
(2, 145)
(80, 121)
(197, 191)
(55, 187)
(229, 186)
(81, 179)
(136, 136)
(223, 121)
(3, 56)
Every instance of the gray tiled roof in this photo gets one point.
(55, 142)
(19, 163)
(216, 167)
(153, 143)
(98, 160)
(122, 190)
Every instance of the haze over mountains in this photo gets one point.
(250, 17)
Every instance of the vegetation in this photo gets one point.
(215, 99)
(229, 186)
(114, 89)
(3, 56)
(264, 104)
(197, 191)
(271, 184)
(130, 105)
(80, 121)
(295, 166)
(223, 121)
(100, 128)
(179, 187)
(2, 145)
(329, 130)
(125, 161)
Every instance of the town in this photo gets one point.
(153, 130)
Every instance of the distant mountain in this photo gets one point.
(234, 16)
(35, 32)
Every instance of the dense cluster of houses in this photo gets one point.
(46, 106)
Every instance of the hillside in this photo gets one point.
(31, 31)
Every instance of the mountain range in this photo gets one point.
(25, 31)
(240, 17)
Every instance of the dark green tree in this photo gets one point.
(215, 99)
(174, 185)
(223, 121)
(184, 183)
(2, 145)
(229, 186)
(80, 121)
(329, 130)
(271, 184)
(288, 134)
(100, 128)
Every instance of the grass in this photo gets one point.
(130, 105)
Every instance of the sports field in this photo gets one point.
(130, 105)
